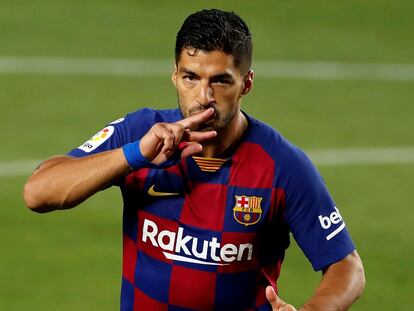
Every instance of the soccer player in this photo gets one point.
(210, 194)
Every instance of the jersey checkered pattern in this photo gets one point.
(213, 240)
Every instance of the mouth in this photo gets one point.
(207, 125)
(200, 110)
(197, 110)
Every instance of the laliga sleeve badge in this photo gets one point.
(98, 139)
(247, 210)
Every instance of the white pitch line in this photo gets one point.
(85, 66)
(334, 70)
(363, 156)
(160, 67)
(329, 157)
(17, 167)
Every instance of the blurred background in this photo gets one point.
(335, 77)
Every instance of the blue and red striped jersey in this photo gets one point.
(211, 234)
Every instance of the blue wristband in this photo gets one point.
(134, 156)
(136, 160)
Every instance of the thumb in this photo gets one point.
(272, 297)
(277, 303)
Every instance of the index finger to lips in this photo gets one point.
(197, 119)
(198, 136)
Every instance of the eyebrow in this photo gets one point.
(187, 71)
(224, 75)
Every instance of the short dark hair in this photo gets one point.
(216, 30)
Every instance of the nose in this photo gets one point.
(205, 95)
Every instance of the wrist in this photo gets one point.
(134, 157)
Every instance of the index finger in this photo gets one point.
(197, 119)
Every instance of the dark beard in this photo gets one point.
(216, 123)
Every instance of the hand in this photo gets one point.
(163, 139)
(277, 303)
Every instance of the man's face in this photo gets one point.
(210, 79)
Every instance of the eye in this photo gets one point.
(189, 78)
(222, 81)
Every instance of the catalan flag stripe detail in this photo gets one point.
(209, 164)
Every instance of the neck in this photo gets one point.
(226, 138)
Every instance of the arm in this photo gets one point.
(63, 182)
(341, 285)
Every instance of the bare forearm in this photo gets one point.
(342, 284)
(63, 182)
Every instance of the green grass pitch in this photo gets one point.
(71, 260)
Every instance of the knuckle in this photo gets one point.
(169, 136)
(180, 128)
(178, 125)
(158, 126)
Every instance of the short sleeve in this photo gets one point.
(116, 134)
(313, 218)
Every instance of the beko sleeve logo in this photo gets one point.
(332, 220)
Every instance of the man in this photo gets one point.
(210, 194)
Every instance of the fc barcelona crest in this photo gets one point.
(247, 210)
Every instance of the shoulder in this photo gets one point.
(290, 162)
(149, 115)
(274, 143)
(125, 130)
(140, 121)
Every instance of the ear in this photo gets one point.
(248, 82)
(174, 76)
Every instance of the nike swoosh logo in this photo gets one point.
(154, 193)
